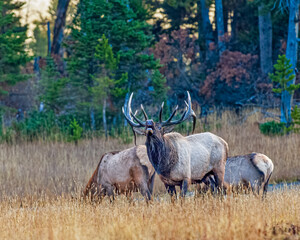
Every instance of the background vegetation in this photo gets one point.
(85, 57)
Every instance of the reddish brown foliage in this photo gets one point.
(176, 53)
(234, 72)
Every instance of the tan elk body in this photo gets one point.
(253, 169)
(177, 159)
(125, 171)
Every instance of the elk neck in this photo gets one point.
(161, 154)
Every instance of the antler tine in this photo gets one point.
(194, 117)
(172, 115)
(128, 115)
(129, 119)
(129, 111)
(160, 112)
(144, 112)
(138, 120)
(187, 113)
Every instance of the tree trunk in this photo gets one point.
(291, 54)
(60, 22)
(233, 26)
(204, 29)
(49, 37)
(265, 39)
(104, 117)
(92, 115)
(220, 26)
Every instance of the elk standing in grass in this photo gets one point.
(125, 171)
(253, 170)
(177, 159)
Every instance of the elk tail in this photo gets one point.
(256, 162)
(92, 184)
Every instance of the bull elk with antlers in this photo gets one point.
(179, 160)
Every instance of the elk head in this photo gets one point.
(158, 129)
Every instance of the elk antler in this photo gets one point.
(187, 113)
(129, 115)
(170, 118)
(194, 117)
(144, 112)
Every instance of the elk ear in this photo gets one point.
(139, 131)
(168, 129)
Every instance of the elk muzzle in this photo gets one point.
(149, 131)
(149, 127)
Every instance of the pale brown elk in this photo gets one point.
(180, 160)
(246, 171)
(124, 172)
(253, 170)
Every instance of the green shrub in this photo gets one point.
(75, 131)
(272, 128)
(39, 123)
(296, 119)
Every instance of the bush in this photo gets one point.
(75, 131)
(272, 128)
(231, 81)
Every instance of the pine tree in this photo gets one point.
(129, 37)
(12, 44)
(39, 42)
(284, 74)
(51, 87)
(104, 83)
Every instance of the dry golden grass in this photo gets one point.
(40, 184)
(207, 217)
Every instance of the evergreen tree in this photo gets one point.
(284, 74)
(12, 44)
(129, 37)
(39, 42)
(51, 87)
(104, 83)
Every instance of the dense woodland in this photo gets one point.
(87, 56)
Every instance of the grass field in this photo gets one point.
(40, 183)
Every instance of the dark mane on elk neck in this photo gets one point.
(162, 154)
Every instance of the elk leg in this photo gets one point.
(145, 191)
(110, 193)
(255, 186)
(140, 177)
(151, 183)
(266, 186)
(212, 183)
(184, 187)
(219, 178)
(171, 189)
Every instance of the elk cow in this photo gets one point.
(125, 171)
(253, 170)
(177, 159)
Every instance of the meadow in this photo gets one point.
(41, 183)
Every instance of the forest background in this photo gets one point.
(72, 76)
